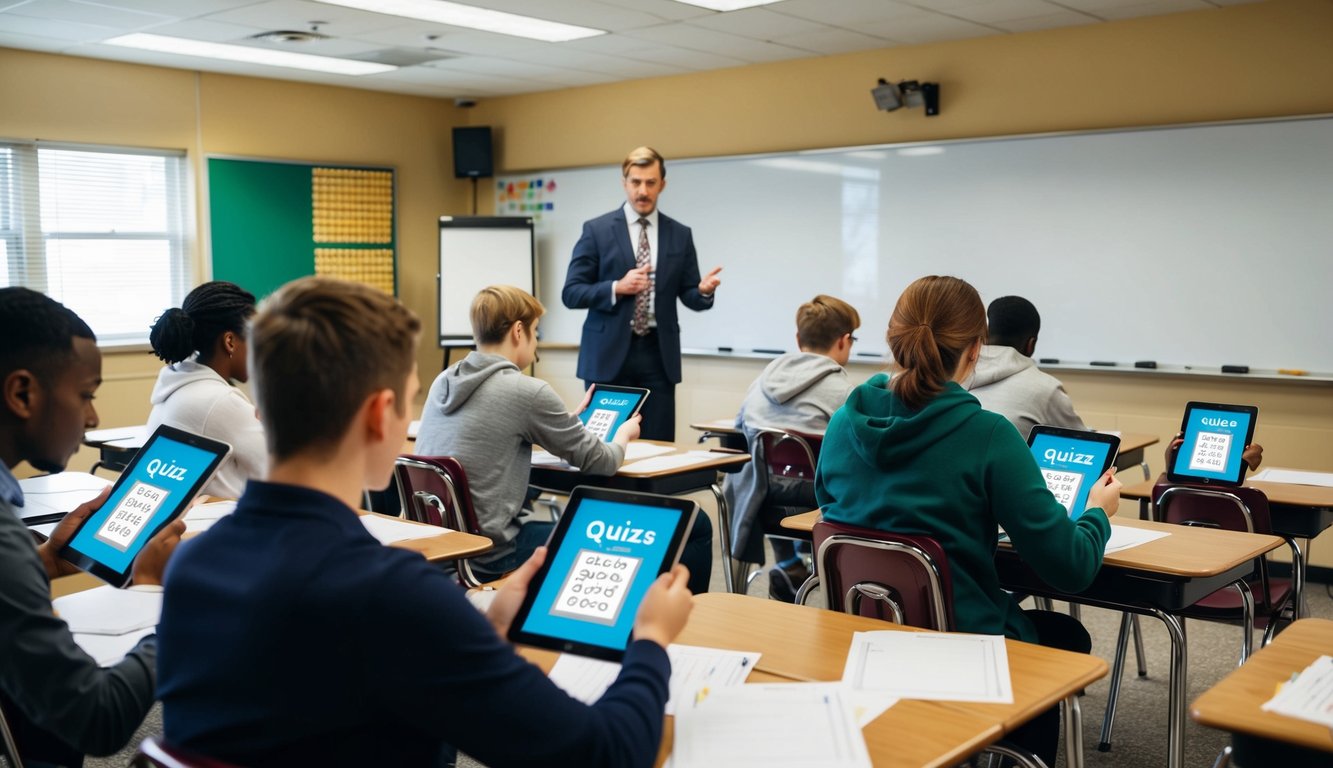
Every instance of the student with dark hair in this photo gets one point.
(290, 636)
(203, 344)
(1007, 380)
(914, 453)
(797, 391)
(58, 702)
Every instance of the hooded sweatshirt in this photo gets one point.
(486, 413)
(797, 391)
(1009, 383)
(193, 397)
(953, 471)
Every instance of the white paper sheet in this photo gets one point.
(108, 650)
(109, 611)
(673, 461)
(543, 458)
(641, 450)
(1309, 696)
(692, 667)
(931, 665)
(1294, 477)
(771, 725)
(388, 530)
(1124, 537)
(58, 493)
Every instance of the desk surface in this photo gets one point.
(1292, 494)
(722, 459)
(799, 643)
(1129, 441)
(1189, 552)
(1233, 704)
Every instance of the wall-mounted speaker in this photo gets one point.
(472, 152)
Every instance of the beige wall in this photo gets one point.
(1264, 59)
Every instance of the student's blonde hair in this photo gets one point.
(821, 321)
(318, 348)
(641, 157)
(498, 307)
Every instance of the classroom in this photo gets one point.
(1188, 62)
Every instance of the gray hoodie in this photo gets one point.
(798, 391)
(486, 413)
(1010, 384)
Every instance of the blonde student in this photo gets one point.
(291, 636)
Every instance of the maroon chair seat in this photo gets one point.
(897, 577)
(434, 490)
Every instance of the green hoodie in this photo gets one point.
(952, 471)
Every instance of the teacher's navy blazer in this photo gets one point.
(604, 253)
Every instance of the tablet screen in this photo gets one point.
(609, 408)
(1215, 435)
(605, 554)
(1071, 461)
(161, 480)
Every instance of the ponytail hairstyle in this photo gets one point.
(936, 320)
(208, 311)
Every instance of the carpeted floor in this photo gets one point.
(1139, 739)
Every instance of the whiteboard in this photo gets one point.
(475, 252)
(1202, 245)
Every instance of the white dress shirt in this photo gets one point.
(632, 223)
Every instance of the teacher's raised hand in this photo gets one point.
(710, 282)
(635, 281)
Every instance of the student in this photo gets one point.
(58, 702)
(1008, 382)
(486, 413)
(914, 453)
(290, 636)
(797, 391)
(203, 345)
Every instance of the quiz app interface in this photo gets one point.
(118, 530)
(1213, 444)
(1070, 466)
(609, 558)
(608, 410)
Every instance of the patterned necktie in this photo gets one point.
(641, 258)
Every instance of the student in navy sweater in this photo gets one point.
(290, 636)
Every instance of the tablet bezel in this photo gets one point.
(1087, 435)
(642, 392)
(105, 572)
(675, 547)
(1184, 477)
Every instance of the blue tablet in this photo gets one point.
(606, 551)
(156, 487)
(610, 407)
(1071, 460)
(1215, 436)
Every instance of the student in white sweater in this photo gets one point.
(203, 344)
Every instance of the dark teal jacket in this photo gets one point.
(952, 471)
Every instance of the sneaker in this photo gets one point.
(785, 580)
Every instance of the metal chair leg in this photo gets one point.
(1139, 655)
(1117, 670)
(1072, 715)
(1022, 758)
(1223, 758)
(808, 586)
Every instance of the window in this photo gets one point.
(101, 230)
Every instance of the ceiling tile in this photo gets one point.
(85, 13)
(833, 40)
(451, 39)
(757, 23)
(586, 13)
(685, 35)
(666, 10)
(586, 61)
(1156, 8)
(926, 28)
(299, 14)
(683, 57)
(1003, 10)
(1048, 21)
(845, 13)
(14, 24)
(174, 8)
(33, 42)
(209, 31)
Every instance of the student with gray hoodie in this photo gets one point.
(1008, 382)
(797, 391)
(203, 344)
(486, 413)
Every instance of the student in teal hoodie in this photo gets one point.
(915, 453)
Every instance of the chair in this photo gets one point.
(434, 490)
(905, 579)
(154, 753)
(1266, 599)
(789, 457)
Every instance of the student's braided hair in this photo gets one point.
(208, 311)
(935, 321)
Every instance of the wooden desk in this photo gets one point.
(799, 643)
(1131, 451)
(725, 431)
(1265, 738)
(701, 476)
(1159, 579)
(115, 446)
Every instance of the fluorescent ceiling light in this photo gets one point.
(249, 55)
(472, 17)
(926, 151)
(727, 5)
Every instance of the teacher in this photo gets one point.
(628, 268)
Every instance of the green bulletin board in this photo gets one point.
(268, 220)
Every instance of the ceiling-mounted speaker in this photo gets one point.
(473, 158)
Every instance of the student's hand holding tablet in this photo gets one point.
(1105, 493)
(50, 549)
(505, 605)
(151, 562)
(666, 607)
(628, 432)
